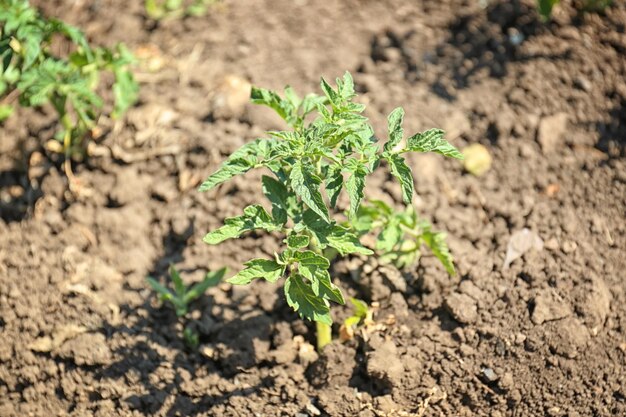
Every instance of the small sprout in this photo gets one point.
(182, 296)
(191, 338)
(362, 315)
(330, 148)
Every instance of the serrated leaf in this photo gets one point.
(436, 241)
(297, 241)
(334, 183)
(346, 89)
(277, 193)
(394, 122)
(314, 267)
(306, 185)
(330, 93)
(346, 242)
(432, 141)
(322, 286)
(389, 236)
(355, 186)
(273, 101)
(267, 269)
(402, 172)
(254, 217)
(125, 91)
(302, 299)
(229, 169)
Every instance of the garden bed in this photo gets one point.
(82, 334)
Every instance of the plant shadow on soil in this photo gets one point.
(488, 40)
(157, 329)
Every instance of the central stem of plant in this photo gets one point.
(324, 335)
(323, 330)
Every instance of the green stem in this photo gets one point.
(324, 335)
(324, 331)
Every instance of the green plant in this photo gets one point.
(181, 296)
(31, 72)
(335, 151)
(401, 234)
(160, 9)
(545, 6)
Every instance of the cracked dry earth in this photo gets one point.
(81, 334)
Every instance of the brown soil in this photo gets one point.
(82, 335)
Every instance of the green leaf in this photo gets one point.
(307, 186)
(402, 172)
(267, 269)
(330, 93)
(297, 241)
(314, 267)
(360, 307)
(277, 193)
(394, 121)
(284, 108)
(210, 280)
(254, 217)
(346, 86)
(229, 169)
(355, 186)
(6, 110)
(389, 236)
(163, 292)
(302, 299)
(125, 91)
(346, 242)
(432, 141)
(436, 241)
(179, 285)
(334, 182)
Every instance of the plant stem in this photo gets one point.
(323, 330)
(324, 335)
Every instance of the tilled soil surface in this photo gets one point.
(82, 335)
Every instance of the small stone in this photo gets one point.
(552, 131)
(462, 307)
(477, 160)
(582, 83)
(488, 374)
(549, 306)
(569, 246)
(312, 410)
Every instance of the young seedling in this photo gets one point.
(32, 74)
(401, 235)
(362, 316)
(309, 166)
(181, 296)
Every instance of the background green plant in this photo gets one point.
(311, 164)
(31, 72)
(181, 296)
(161, 9)
(545, 6)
